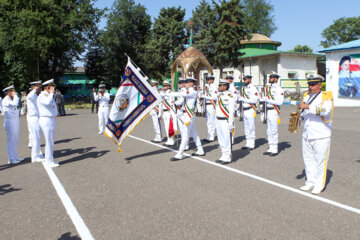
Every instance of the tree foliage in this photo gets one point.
(341, 31)
(126, 32)
(51, 33)
(203, 20)
(228, 33)
(302, 49)
(166, 42)
(258, 17)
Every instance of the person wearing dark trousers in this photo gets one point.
(58, 101)
(93, 102)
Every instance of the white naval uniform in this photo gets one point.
(166, 117)
(190, 97)
(250, 98)
(47, 121)
(225, 123)
(235, 95)
(316, 140)
(277, 94)
(32, 118)
(104, 110)
(210, 111)
(179, 103)
(155, 116)
(12, 126)
(1, 109)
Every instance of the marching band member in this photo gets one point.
(155, 114)
(318, 111)
(12, 123)
(33, 121)
(210, 92)
(249, 99)
(225, 107)
(47, 121)
(234, 93)
(103, 98)
(179, 103)
(274, 98)
(190, 97)
(167, 105)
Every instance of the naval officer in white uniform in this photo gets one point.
(48, 112)
(103, 98)
(32, 118)
(12, 123)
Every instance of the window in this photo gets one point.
(292, 75)
(76, 87)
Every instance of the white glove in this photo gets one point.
(231, 127)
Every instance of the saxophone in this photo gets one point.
(295, 117)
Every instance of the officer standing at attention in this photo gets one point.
(318, 111)
(12, 123)
(180, 109)
(210, 108)
(249, 99)
(103, 98)
(168, 103)
(274, 97)
(47, 121)
(234, 93)
(225, 107)
(155, 114)
(33, 121)
(190, 97)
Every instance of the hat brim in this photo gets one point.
(313, 81)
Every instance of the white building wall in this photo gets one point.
(332, 77)
(267, 65)
(296, 63)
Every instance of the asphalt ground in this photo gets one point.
(141, 194)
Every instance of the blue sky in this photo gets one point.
(298, 21)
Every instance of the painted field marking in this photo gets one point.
(78, 222)
(306, 194)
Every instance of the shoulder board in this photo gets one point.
(230, 95)
(327, 95)
(46, 94)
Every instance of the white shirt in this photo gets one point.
(10, 107)
(277, 93)
(169, 99)
(103, 100)
(225, 100)
(251, 96)
(211, 93)
(32, 107)
(1, 109)
(189, 95)
(314, 126)
(47, 105)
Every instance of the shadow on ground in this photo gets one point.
(84, 154)
(329, 175)
(7, 189)
(67, 236)
(66, 140)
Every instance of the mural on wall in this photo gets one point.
(349, 76)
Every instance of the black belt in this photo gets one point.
(208, 103)
(184, 111)
(247, 108)
(221, 118)
(165, 110)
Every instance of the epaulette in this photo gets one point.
(46, 94)
(230, 95)
(327, 95)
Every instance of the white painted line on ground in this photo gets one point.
(306, 194)
(78, 222)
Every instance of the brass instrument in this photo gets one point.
(295, 117)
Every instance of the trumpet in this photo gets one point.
(295, 117)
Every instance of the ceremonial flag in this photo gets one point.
(133, 101)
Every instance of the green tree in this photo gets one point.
(203, 20)
(258, 17)
(48, 34)
(228, 33)
(126, 32)
(302, 49)
(166, 42)
(341, 31)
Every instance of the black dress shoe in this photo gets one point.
(175, 159)
(266, 153)
(219, 161)
(156, 141)
(245, 148)
(273, 154)
(224, 163)
(196, 154)
(206, 140)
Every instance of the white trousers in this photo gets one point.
(12, 127)
(210, 121)
(48, 127)
(35, 133)
(29, 130)
(316, 155)
(272, 127)
(103, 115)
(249, 124)
(156, 122)
(189, 130)
(224, 139)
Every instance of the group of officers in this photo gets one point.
(224, 102)
(41, 117)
